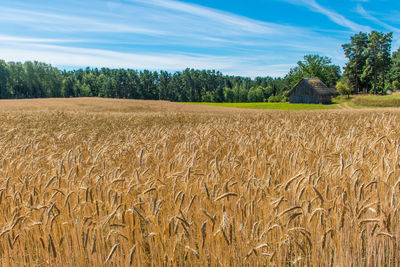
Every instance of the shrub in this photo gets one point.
(344, 89)
(274, 98)
(396, 85)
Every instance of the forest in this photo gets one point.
(40, 80)
(371, 68)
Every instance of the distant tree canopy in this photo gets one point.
(36, 79)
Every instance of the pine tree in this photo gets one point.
(355, 52)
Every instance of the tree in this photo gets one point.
(256, 94)
(377, 57)
(84, 89)
(52, 81)
(174, 93)
(385, 56)
(132, 85)
(241, 93)
(90, 80)
(164, 80)
(314, 66)
(344, 89)
(119, 83)
(355, 52)
(395, 68)
(229, 95)
(17, 80)
(3, 79)
(218, 95)
(206, 97)
(396, 85)
(68, 88)
(276, 98)
(148, 84)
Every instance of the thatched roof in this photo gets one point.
(319, 87)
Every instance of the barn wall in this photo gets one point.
(303, 99)
(304, 94)
(325, 99)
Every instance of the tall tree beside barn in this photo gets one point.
(355, 52)
(314, 66)
(378, 58)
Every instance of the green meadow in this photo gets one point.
(341, 102)
(266, 105)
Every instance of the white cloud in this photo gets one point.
(377, 21)
(8, 38)
(239, 22)
(65, 23)
(331, 14)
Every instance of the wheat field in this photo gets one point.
(100, 182)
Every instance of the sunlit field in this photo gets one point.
(378, 101)
(101, 182)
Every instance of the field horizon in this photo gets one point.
(117, 105)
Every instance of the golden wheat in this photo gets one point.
(116, 182)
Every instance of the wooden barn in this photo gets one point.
(310, 90)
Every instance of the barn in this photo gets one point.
(309, 90)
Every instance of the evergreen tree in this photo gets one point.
(377, 57)
(395, 67)
(164, 80)
(4, 79)
(355, 52)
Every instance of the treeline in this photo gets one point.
(371, 68)
(36, 79)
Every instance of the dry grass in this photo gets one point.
(105, 182)
(377, 100)
(101, 105)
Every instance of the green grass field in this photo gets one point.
(265, 105)
(340, 102)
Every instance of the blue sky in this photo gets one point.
(249, 38)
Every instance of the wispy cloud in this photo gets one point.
(8, 38)
(82, 57)
(60, 22)
(331, 14)
(238, 23)
(386, 26)
(377, 21)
